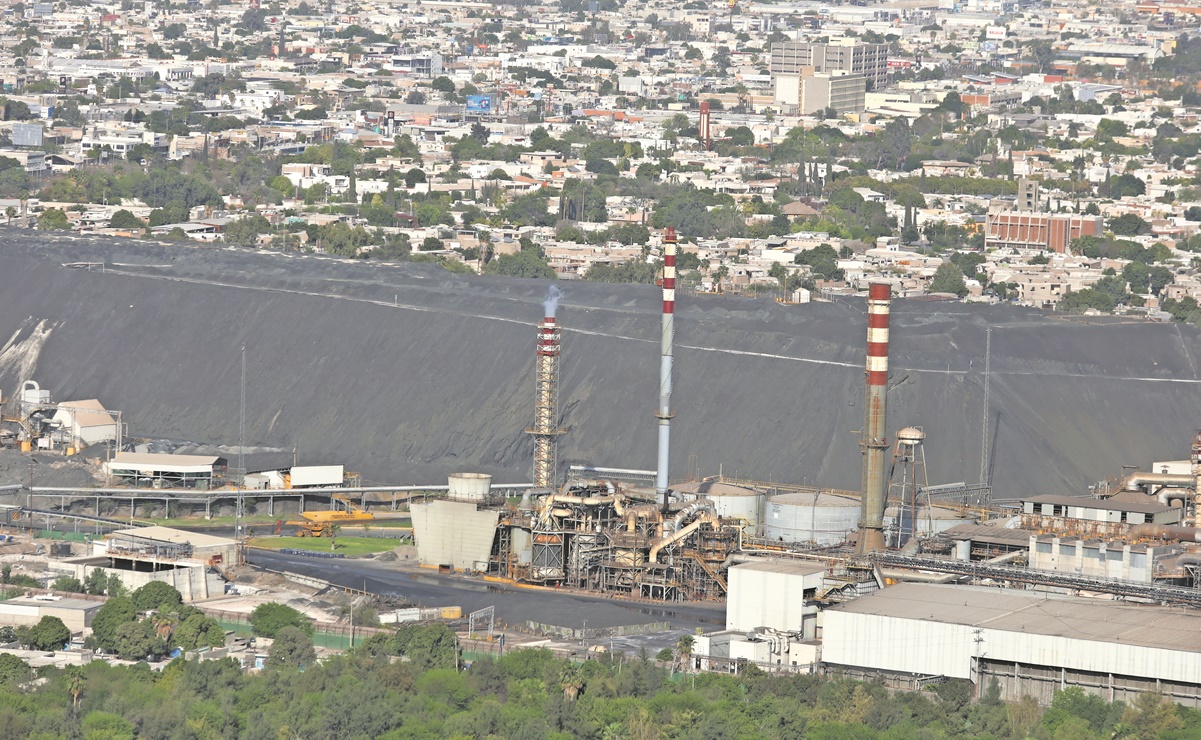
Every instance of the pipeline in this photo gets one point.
(1189, 558)
(689, 511)
(1169, 532)
(706, 517)
(1138, 481)
(896, 574)
(1167, 496)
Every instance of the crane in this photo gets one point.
(319, 523)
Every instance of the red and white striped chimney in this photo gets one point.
(546, 391)
(668, 337)
(874, 443)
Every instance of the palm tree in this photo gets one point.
(75, 685)
(684, 650)
(573, 683)
(164, 625)
(334, 529)
(10, 213)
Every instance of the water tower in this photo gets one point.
(907, 479)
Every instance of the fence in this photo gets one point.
(332, 635)
(311, 553)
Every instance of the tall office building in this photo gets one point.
(841, 57)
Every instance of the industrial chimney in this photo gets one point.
(546, 396)
(1196, 460)
(873, 444)
(703, 126)
(664, 412)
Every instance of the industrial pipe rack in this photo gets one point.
(1128, 589)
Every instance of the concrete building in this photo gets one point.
(846, 57)
(774, 594)
(808, 94)
(1028, 195)
(77, 614)
(1031, 230)
(1032, 644)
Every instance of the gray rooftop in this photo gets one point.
(1036, 613)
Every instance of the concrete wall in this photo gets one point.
(193, 582)
(762, 598)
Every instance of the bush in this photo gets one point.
(292, 648)
(268, 619)
(117, 611)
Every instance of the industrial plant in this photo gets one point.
(1037, 591)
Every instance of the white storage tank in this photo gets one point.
(469, 486)
(822, 518)
(729, 501)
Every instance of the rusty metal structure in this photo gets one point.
(596, 536)
(874, 442)
(545, 429)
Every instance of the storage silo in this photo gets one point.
(821, 518)
(469, 486)
(930, 520)
(729, 501)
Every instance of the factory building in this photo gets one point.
(85, 423)
(76, 614)
(1090, 517)
(168, 471)
(1032, 644)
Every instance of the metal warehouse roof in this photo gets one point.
(1036, 613)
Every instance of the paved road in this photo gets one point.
(514, 606)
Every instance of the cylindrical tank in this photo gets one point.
(469, 486)
(822, 518)
(733, 502)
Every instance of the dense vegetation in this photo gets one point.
(406, 685)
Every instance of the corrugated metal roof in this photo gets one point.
(176, 536)
(1036, 613)
(986, 533)
(156, 458)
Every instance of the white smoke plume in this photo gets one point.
(551, 303)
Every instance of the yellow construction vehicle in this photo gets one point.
(319, 523)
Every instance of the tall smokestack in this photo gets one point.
(664, 412)
(873, 444)
(546, 396)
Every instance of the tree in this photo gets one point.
(124, 219)
(1129, 224)
(414, 176)
(13, 670)
(292, 648)
(70, 584)
(53, 219)
(10, 213)
(245, 231)
(137, 640)
(116, 612)
(443, 85)
(49, 634)
(198, 630)
(116, 587)
(526, 263)
(107, 726)
(268, 619)
(156, 595)
(948, 279)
